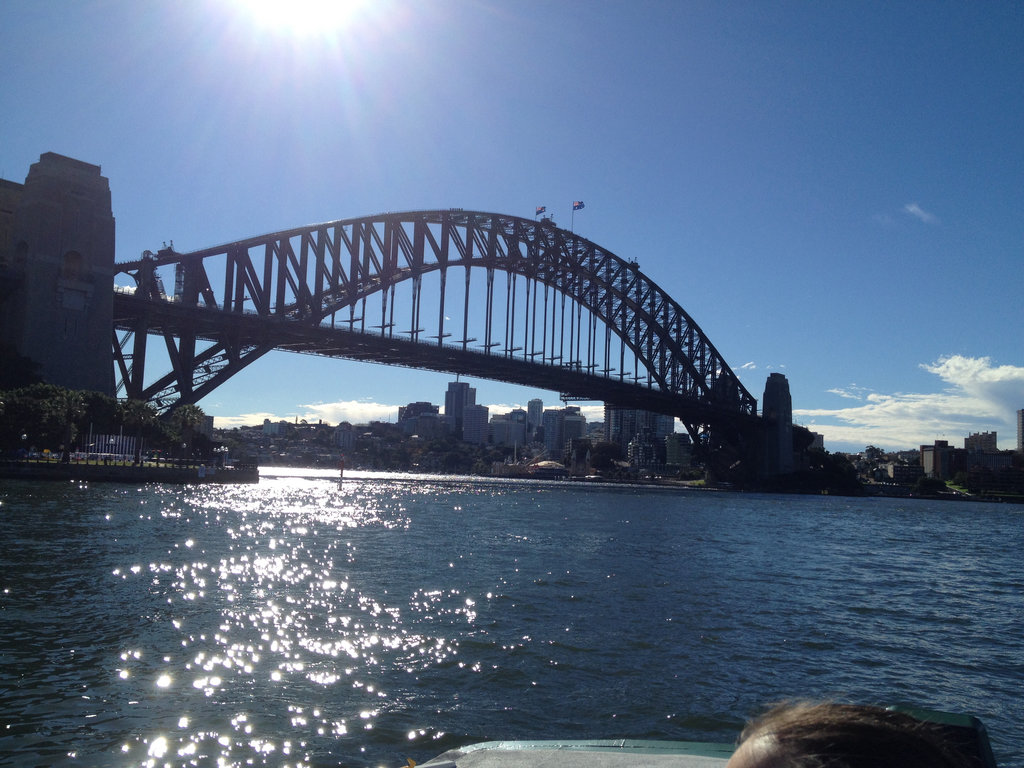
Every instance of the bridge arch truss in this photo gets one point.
(486, 294)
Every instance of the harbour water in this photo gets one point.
(305, 622)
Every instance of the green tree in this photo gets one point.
(140, 417)
(603, 456)
(99, 413)
(45, 414)
(929, 485)
(66, 408)
(17, 371)
(188, 419)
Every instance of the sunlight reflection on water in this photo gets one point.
(277, 616)
(306, 621)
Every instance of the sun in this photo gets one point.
(303, 17)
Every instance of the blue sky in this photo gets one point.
(833, 191)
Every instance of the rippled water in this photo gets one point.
(300, 623)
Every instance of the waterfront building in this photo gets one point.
(941, 461)
(561, 425)
(574, 424)
(551, 423)
(678, 450)
(420, 418)
(345, 436)
(1020, 431)
(458, 396)
(474, 424)
(641, 452)
(622, 425)
(578, 450)
(509, 428)
(817, 441)
(498, 429)
(535, 413)
(427, 426)
(980, 442)
(412, 410)
(903, 474)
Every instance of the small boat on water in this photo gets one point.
(965, 731)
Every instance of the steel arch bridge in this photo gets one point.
(548, 309)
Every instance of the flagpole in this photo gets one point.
(572, 221)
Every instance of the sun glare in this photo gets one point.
(303, 17)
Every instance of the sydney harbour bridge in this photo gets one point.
(463, 292)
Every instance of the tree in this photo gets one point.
(603, 456)
(188, 419)
(139, 416)
(46, 414)
(67, 407)
(929, 486)
(99, 413)
(17, 371)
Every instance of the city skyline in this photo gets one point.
(831, 192)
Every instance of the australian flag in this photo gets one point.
(577, 205)
(540, 210)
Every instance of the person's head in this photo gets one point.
(825, 735)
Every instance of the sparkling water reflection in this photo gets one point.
(305, 622)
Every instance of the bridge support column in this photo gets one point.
(777, 413)
(57, 271)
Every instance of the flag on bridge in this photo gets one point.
(540, 209)
(577, 205)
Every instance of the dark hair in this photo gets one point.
(827, 735)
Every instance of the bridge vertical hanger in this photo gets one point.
(653, 354)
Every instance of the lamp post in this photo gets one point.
(221, 451)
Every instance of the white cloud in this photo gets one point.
(352, 411)
(590, 412)
(979, 397)
(242, 420)
(363, 412)
(852, 392)
(920, 213)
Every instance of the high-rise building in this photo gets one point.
(458, 396)
(474, 424)
(622, 425)
(509, 428)
(574, 424)
(1020, 431)
(562, 426)
(535, 413)
(551, 422)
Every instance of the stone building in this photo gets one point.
(57, 272)
(777, 414)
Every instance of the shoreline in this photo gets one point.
(127, 473)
